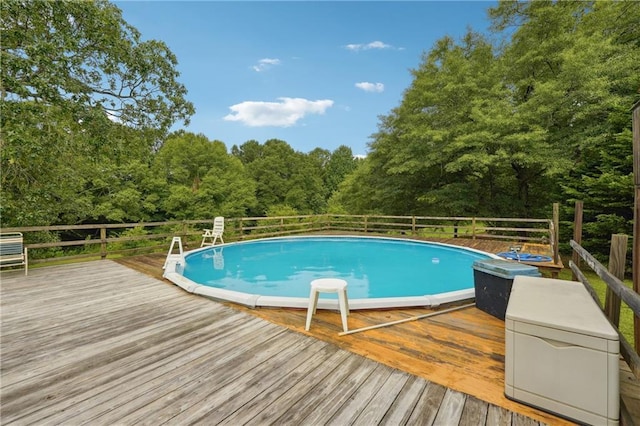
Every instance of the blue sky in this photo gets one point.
(314, 74)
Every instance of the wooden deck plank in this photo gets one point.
(110, 345)
(195, 382)
(117, 403)
(474, 412)
(382, 399)
(297, 395)
(327, 396)
(149, 365)
(498, 416)
(46, 369)
(295, 383)
(630, 391)
(450, 410)
(428, 405)
(520, 420)
(359, 400)
(401, 409)
(215, 406)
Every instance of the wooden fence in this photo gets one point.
(616, 292)
(70, 242)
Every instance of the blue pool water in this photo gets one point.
(372, 267)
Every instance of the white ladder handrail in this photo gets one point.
(171, 257)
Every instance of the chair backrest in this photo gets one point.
(12, 250)
(10, 244)
(218, 225)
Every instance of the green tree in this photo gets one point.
(340, 164)
(576, 66)
(84, 55)
(83, 101)
(200, 179)
(285, 177)
(359, 192)
(248, 152)
(506, 129)
(423, 151)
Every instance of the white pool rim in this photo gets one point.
(256, 300)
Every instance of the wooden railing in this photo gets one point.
(616, 292)
(70, 242)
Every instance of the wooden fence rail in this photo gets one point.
(69, 242)
(617, 288)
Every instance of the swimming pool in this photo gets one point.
(380, 272)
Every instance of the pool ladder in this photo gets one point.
(516, 251)
(173, 257)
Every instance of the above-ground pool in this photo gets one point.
(380, 272)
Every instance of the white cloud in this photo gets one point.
(370, 87)
(284, 113)
(265, 64)
(113, 117)
(368, 46)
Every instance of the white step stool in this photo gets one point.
(328, 285)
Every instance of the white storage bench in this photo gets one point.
(561, 353)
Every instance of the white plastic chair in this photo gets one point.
(213, 234)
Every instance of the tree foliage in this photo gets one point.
(581, 65)
(83, 103)
(492, 125)
(85, 56)
(283, 177)
(197, 178)
(506, 127)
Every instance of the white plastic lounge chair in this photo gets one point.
(13, 252)
(210, 236)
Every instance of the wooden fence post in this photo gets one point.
(103, 243)
(635, 126)
(413, 226)
(365, 224)
(473, 228)
(184, 234)
(577, 235)
(556, 233)
(617, 262)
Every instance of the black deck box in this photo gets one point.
(493, 279)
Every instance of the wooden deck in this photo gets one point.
(463, 350)
(99, 343)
